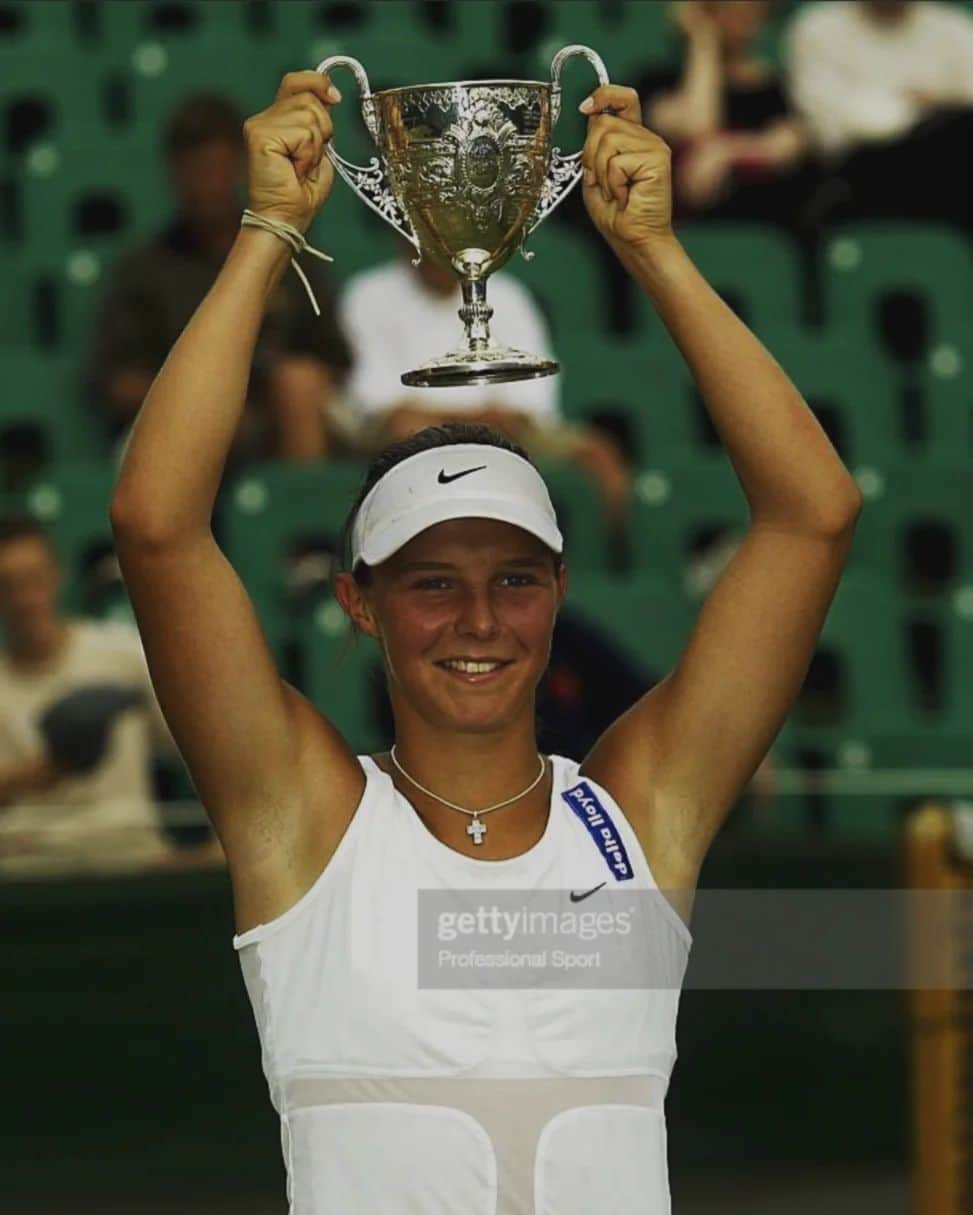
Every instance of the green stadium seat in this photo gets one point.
(853, 390)
(870, 818)
(73, 502)
(12, 503)
(45, 319)
(598, 372)
(855, 393)
(127, 25)
(39, 394)
(266, 513)
(757, 269)
(877, 722)
(898, 756)
(567, 278)
(652, 619)
(20, 312)
(92, 194)
(477, 29)
(580, 513)
(73, 284)
(342, 677)
(628, 38)
(947, 400)
(651, 391)
(869, 738)
(958, 661)
(677, 503)
(376, 41)
(900, 750)
(898, 496)
(83, 203)
(75, 101)
(648, 617)
(862, 262)
(866, 629)
(163, 68)
(32, 29)
(307, 20)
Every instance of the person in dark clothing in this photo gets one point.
(912, 177)
(588, 683)
(886, 90)
(738, 149)
(301, 359)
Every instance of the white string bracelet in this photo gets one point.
(294, 238)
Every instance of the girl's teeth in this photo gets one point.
(473, 668)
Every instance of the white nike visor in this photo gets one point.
(459, 481)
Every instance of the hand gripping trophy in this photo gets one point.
(466, 172)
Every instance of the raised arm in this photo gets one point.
(681, 756)
(247, 737)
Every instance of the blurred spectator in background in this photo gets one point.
(886, 90)
(156, 287)
(588, 683)
(397, 316)
(79, 723)
(738, 150)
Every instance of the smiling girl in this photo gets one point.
(396, 1093)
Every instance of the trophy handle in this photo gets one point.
(370, 183)
(564, 172)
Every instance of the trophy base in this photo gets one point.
(494, 365)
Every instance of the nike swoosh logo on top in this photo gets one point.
(444, 476)
(577, 898)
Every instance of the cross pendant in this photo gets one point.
(477, 830)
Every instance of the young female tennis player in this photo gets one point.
(397, 1095)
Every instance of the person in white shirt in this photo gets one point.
(886, 90)
(397, 315)
(79, 724)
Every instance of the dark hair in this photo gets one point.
(201, 118)
(423, 440)
(21, 526)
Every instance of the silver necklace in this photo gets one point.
(475, 828)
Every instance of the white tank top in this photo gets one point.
(407, 1100)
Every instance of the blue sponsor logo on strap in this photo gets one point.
(588, 808)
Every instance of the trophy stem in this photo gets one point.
(481, 361)
(475, 313)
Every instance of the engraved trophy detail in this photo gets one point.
(466, 172)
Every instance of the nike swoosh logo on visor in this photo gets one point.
(445, 477)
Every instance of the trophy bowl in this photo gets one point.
(466, 172)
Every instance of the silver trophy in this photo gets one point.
(466, 172)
